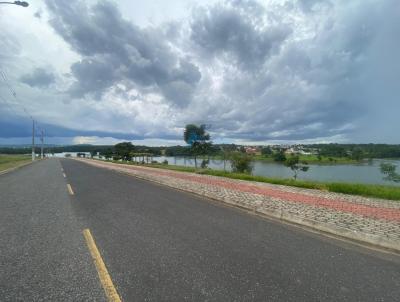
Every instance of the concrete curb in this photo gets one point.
(365, 239)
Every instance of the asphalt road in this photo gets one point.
(160, 244)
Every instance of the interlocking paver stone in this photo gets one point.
(359, 215)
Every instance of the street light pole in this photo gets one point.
(42, 140)
(33, 140)
(19, 3)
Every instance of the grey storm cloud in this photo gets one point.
(38, 14)
(115, 50)
(92, 75)
(256, 71)
(238, 32)
(39, 77)
(312, 83)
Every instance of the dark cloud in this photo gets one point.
(38, 14)
(320, 82)
(39, 77)
(92, 76)
(276, 70)
(22, 127)
(237, 31)
(116, 51)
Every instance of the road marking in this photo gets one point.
(71, 192)
(104, 276)
(64, 175)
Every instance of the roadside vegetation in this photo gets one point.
(389, 170)
(11, 161)
(200, 147)
(366, 190)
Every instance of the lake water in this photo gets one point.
(367, 172)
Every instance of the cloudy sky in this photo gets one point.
(287, 71)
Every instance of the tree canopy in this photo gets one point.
(198, 139)
(293, 162)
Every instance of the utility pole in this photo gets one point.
(33, 140)
(42, 140)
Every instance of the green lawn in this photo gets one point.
(367, 190)
(10, 161)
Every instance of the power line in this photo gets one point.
(9, 105)
(34, 121)
(13, 93)
(5, 79)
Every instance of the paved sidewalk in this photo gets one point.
(375, 221)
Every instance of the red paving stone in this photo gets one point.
(345, 206)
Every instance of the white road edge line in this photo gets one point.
(71, 192)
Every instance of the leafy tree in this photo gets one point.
(279, 156)
(389, 170)
(225, 152)
(296, 166)
(198, 139)
(357, 154)
(93, 153)
(332, 150)
(107, 153)
(123, 150)
(266, 151)
(241, 162)
(177, 151)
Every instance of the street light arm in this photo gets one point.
(19, 3)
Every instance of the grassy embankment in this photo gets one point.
(367, 190)
(11, 161)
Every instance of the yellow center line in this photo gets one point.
(105, 279)
(71, 192)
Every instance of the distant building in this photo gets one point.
(253, 150)
(291, 150)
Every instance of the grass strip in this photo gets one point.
(11, 161)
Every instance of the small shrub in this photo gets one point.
(241, 163)
(204, 163)
(389, 170)
(279, 156)
(296, 165)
